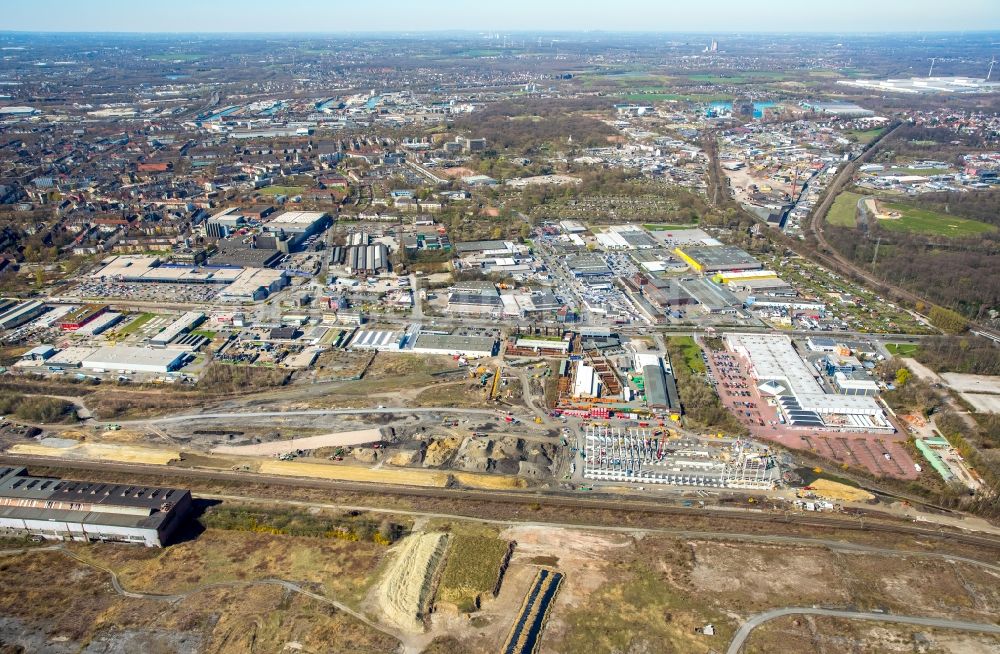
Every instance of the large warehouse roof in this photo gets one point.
(123, 357)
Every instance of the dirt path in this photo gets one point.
(116, 584)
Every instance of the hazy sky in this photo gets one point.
(412, 15)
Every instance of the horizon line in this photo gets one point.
(471, 30)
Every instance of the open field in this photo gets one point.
(55, 604)
(844, 211)
(864, 136)
(653, 96)
(282, 190)
(653, 593)
(741, 78)
(488, 482)
(837, 492)
(924, 221)
(902, 349)
(966, 383)
(692, 353)
(135, 325)
(821, 633)
(473, 570)
(339, 567)
(927, 172)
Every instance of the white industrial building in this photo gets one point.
(383, 341)
(586, 381)
(800, 397)
(122, 358)
(182, 325)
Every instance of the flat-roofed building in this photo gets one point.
(474, 304)
(780, 372)
(453, 345)
(709, 259)
(122, 358)
(81, 316)
(373, 339)
(182, 325)
(18, 314)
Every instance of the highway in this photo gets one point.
(938, 623)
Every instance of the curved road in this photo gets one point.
(755, 621)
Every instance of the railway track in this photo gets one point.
(869, 522)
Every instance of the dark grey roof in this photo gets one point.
(475, 299)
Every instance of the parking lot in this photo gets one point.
(147, 292)
(881, 454)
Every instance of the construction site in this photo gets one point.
(654, 456)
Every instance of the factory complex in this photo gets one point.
(56, 509)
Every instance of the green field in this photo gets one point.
(175, 56)
(924, 221)
(660, 227)
(926, 172)
(136, 324)
(902, 349)
(472, 570)
(740, 78)
(651, 96)
(282, 190)
(844, 211)
(692, 353)
(864, 136)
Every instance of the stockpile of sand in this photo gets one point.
(441, 450)
(355, 473)
(838, 492)
(70, 449)
(408, 585)
(473, 455)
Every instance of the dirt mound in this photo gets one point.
(408, 585)
(441, 450)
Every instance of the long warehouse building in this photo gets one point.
(56, 509)
(14, 316)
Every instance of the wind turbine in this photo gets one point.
(990, 72)
(931, 72)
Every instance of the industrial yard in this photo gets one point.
(414, 335)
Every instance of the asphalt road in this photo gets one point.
(744, 631)
(309, 412)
